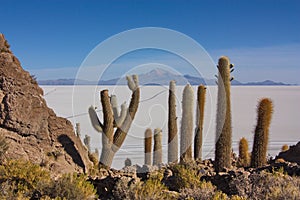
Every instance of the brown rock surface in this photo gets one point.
(291, 155)
(33, 130)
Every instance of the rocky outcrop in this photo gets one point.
(33, 130)
(291, 155)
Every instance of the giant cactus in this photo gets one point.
(199, 122)
(148, 146)
(223, 129)
(261, 136)
(172, 126)
(113, 139)
(186, 130)
(157, 148)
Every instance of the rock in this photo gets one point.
(291, 155)
(33, 130)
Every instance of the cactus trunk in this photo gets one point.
(157, 150)
(261, 136)
(223, 129)
(186, 131)
(148, 146)
(172, 126)
(199, 122)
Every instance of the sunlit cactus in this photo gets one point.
(261, 136)
(172, 125)
(244, 159)
(113, 139)
(198, 141)
(148, 146)
(118, 116)
(186, 130)
(157, 148)
(223, 130)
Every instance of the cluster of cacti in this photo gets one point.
(198, 141)
(223, 129)
(172, 126)
(261, 136)
(148, 146)
(157, 147)
(186, 129)
(113, 139)
(244, 158)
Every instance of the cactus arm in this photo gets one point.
(122, 131)
(114, 105)
(108, 121)
(121, 118)
(98, 126)
(130, 83)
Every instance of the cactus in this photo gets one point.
(223, 129)
(148, 146)
(127, 162)
(118, 117)
(77, 129)
(113, 139)
(244, 158)
(87, 142)
(199, 122)
(157, 149)
(172, 126)
(186, 129)
(261, 136)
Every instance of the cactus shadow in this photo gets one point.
(69, 147)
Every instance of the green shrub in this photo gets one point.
(185, 177)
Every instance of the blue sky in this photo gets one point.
(52, 38)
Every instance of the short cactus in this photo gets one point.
(157, 149)
(186, 130)
(223, 130)
(244, 159)
(148, 146)
(199, 122)
(172, 126)
(261, 136)
(87, 142)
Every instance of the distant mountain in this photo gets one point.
(154, 77)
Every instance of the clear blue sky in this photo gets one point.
(52, 38)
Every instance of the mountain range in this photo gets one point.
(154, 77)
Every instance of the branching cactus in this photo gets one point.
(118, 116)
(113, 139)
(223, 129)
(148, 146)
(244, 159)
(186, 131)
(172, 126)
(157, 149)
(261, 136)
(199, 122)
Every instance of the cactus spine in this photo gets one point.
(113, 139)
(223, 129)
(157, 149)
(199, 122)
(148, 146)
(261, 136)
(172, 126)
(186, 130)
(244, 158)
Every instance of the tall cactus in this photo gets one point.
(148, 146)
(157, 149)
(261, 136)
(113, 139)
(172, 126)
(244, 158)
(186, 130)
(199, 122)
(223, 129)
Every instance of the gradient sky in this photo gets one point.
(52, 38)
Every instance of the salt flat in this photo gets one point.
(73, 102)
